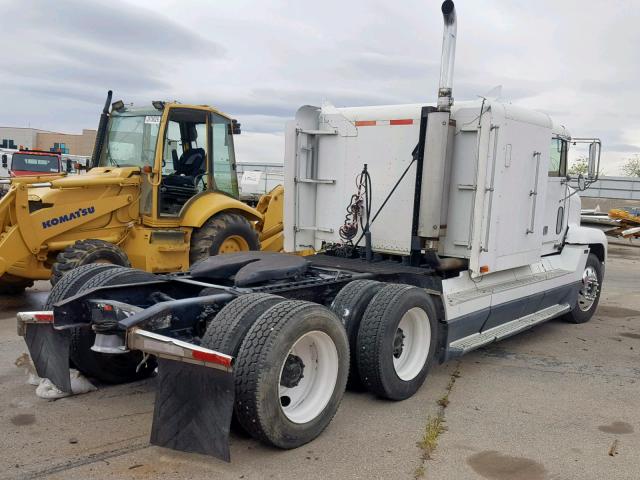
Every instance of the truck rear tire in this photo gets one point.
(223, 233)
(349, 305)
(228, 328)
(12, 285)
(291, 373)
(397, 341)
(589, 294)
(69, 285)
(106, 368)
(84, 252)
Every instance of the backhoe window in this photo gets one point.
(173, 143)
(131, 141)
(184, 161)
(224, 164)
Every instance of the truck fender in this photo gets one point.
(202, 207)
(594, 238)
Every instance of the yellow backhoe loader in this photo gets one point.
(161, 193)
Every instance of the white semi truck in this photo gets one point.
(437, 229)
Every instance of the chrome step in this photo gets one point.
(505, 330)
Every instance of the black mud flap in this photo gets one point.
(193, 408)
(49, 350)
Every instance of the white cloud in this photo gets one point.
(260, 61)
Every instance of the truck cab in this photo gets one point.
(27, 162)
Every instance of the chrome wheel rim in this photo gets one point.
(590, 289)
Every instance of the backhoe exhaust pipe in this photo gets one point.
(445, 100)
(102, 131)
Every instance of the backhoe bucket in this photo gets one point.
(49, 348)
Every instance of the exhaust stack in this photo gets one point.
(445, 100)
(102, 131)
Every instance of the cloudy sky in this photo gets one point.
(261, 60)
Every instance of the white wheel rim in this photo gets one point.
(304, 401)
(411, 344)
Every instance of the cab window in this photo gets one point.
(558, 158)
(184, 159)
(224, 165)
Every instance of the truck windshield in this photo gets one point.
(131, 141)
(26, 162)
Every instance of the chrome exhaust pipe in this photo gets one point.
(445, 99)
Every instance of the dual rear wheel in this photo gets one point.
(392, 330)
(106, 368)
(293, 357)
(292, 363)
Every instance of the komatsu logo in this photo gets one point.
(67, 217)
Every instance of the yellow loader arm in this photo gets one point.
(271, 207)
(26, 228)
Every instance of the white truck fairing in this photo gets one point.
(499, 207)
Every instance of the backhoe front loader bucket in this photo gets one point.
(48, 347)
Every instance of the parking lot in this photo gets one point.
(561, 401)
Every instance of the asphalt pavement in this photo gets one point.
(560, 401)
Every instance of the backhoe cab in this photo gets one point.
(182, 151)
(162, 193)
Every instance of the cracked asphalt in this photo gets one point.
(558, 402)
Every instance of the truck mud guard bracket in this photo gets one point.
(194, 395)
(48, 347)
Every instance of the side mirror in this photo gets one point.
(235, 127)
(4, 161)
(593, 160)
(594, 154)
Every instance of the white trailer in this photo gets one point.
(436, 229)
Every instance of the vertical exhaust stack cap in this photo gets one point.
(445, 99)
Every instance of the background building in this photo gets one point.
(67, 143)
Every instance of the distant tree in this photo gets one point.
(580, 166)
(631, 166)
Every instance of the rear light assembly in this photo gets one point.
(40, 317)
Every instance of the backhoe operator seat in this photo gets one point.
(181, 185)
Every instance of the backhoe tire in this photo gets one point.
(349, 305)
(228, 328)
(291, 373)
(105, 368)
(397, 341)
(589, 294)
(12, 285)
(84, 252)
(223, 233)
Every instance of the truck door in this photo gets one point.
(555, 214)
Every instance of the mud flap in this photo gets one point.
(49, 350)
(193, 408)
